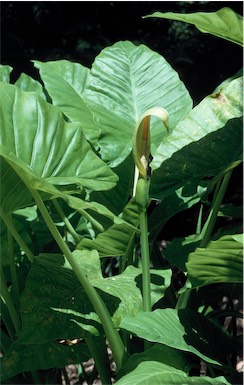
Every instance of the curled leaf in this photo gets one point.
(142, 141)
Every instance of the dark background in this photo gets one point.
(78, 31)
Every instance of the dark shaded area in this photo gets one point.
(78, 31)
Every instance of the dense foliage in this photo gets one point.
(94, 165)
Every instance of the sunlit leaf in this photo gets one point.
(220, 261)
(207, 142)
(184, 330)
(37, 145)
(224, 23)
(5, 72)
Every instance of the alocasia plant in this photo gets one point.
(85, 156)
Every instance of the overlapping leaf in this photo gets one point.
(207, 142)
(184, 330)
(22, 358)
(38, 145)
(65, 82)
(61, 309)
(224, 23)
(157, 373)
(117, 98)
(27, 83)
(220, 261)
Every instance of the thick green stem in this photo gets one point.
(16, 235)
(67, 223)
(112, 334)
(10, 305)
(145, 259)
(99, 360)
(210, 223)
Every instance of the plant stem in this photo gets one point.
(16, 235)
(10, 305)
(112, 334)
(5, 316)
(210, 223)
(185, 298)
(145, 258)
(99, 359)
(5, 341)
(14, 278)
(66, 221)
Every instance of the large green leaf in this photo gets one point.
(224, 23)
(36, 141)
(184, 330)
(65, 82)
(220, 261)
(125, 81)
(156, 373)
(207, 142)
(61, 309)
(177, 359)
(27, 83)
(21, 357)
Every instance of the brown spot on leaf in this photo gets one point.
(220, 97)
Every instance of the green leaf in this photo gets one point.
(61, 309)
(221, 261)
(27, 83)
(184, 330)
(156, 373)
(66, 82)
(160, 353)
(224, 23)
(143, 79)
(207, 142)
(22, 358)
(37, 144)
(115, 241)
(5, 72)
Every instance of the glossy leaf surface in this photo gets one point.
(38, 145)
(224, 23)
(184, 330)
(220, 261)
(157, 373)
(65, 82)
(26, 83)
(143, 79)
(208, 141)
